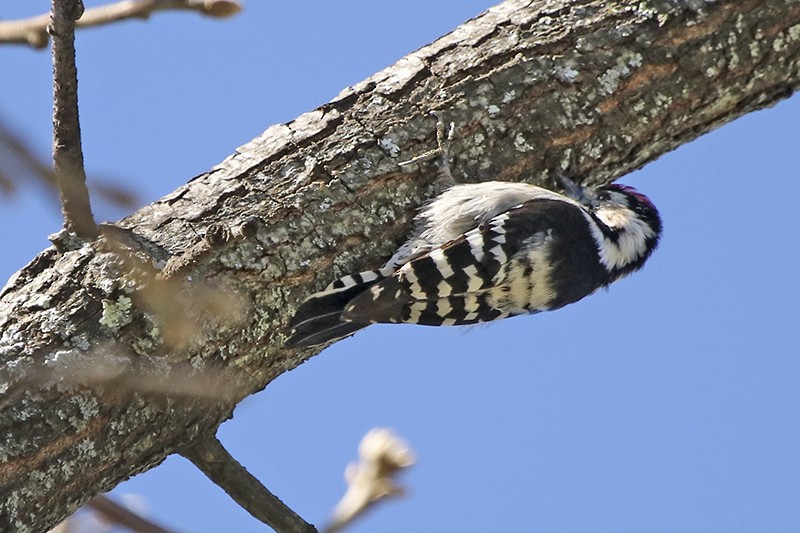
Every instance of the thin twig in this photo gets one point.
(67, 151)
(33, 31)
(116, 513)
(215, 462)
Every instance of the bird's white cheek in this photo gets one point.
(614, 218)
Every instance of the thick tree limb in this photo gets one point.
(33, 31)
(591, 89)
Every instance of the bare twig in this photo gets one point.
(67, 151)
(215, 462)
(33, 31)
(382, 454)
(117, 514)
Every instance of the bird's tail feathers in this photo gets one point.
(318, 319)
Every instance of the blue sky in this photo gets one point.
(668, 403)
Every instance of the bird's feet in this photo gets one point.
(440, 155)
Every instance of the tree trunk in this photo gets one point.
(118, 353)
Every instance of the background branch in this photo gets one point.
(21, 165)
(33, 31)
(123, 516)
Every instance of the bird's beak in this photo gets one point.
(573, 190)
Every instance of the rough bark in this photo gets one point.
(97, 386)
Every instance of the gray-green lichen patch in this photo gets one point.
(482, 95)
(83, 408)
(476, 150)
(147, 344)
(116, 313)
(58, 322)
(566, 73)
(389, 145)
(80, 341)
(521, 144)
(509, 96)
(784, 39)
(610, 79)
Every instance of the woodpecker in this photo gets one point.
(487, 251)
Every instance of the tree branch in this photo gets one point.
(33, 31)
(215, 462)
(595, 89)
(67, 151)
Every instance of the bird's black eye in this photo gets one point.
(604, 196)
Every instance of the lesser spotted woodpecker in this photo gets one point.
(486, 251)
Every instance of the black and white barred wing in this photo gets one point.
(491, 272)
(447, 285)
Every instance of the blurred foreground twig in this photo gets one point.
(123, 516)
(21, 164)
(382, 455)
